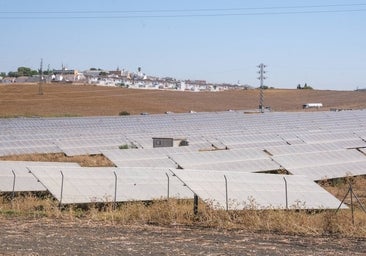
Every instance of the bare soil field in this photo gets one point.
(52, 236)
(88, 100)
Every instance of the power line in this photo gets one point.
(186, 12)
(176, 16)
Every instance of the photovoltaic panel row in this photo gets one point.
(319, 158)
(108, 184)
(331, 171)
(185, 160)
(163, 162)
(258, 145)
(328, 137)
(256, 191)
(258, 165)
(14, 175)
(232, 140)
(250, 129)
(89, 145)
(316, 147)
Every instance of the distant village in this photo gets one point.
(117, 78)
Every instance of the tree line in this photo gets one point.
(23, 71)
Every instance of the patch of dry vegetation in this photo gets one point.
(84, 160)
(174, 212)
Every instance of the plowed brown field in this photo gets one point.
(88, 100)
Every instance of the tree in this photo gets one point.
(3, 74)
(24, 71)
(13, 74)
(307, 87)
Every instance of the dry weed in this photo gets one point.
(180, 212)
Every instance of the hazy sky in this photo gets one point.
(321, 43)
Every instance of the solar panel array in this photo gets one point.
(234, 190)
(15, 176)
(108, 184)
(313, 144)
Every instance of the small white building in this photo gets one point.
(312, 105)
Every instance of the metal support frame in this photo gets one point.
(350, 191)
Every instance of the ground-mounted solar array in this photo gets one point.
(308, 146)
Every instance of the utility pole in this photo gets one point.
(40, 89)
(261, 78)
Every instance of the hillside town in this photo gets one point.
(116, 78)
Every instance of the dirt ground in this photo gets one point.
(51, 237)
(88, 100)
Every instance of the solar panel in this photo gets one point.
(319, 158)
(309, 148)
(327, 137)
(258, 165)
(256, 191)
(331, 171)
(14, 175)
(219, 156)
(152, 162)
(108, 184)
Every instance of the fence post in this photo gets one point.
(62, 188)
(352, 210)
(226, 194)
(286, 192)
(13, 193)
(115, 189)
(195, 204)
(168, 185)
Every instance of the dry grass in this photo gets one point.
(180, 212)
(84, 160)
(88, 100)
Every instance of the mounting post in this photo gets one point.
(62, 188)
(286, 195)
(352, 208)
(226, 194)
(13, 192)
(115, 190)
(167, 176)
(195, 204)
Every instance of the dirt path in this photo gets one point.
(48, 237)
